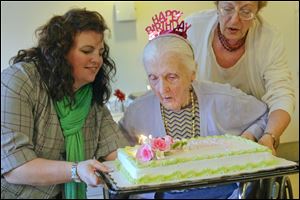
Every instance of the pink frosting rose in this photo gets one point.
(159, 144)
(144, 153)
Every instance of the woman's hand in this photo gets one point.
(267, 141)
(86, 171)
(248, 136)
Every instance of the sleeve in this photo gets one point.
(259, 126)
(279, 85)
(126, 125)
(239, 112)
(111, 137)
(253, 114)
(17, 121)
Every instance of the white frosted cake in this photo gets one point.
(164, 160)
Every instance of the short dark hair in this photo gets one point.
(55, 40)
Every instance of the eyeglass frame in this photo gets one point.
(239, 11)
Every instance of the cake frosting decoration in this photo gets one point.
(159, 160)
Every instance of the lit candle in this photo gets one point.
(142, 139)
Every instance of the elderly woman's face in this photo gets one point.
(170, 80)
(236, 17)
(85, 57)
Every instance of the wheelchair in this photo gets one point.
(284, 188)
(272, 188)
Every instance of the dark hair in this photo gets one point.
(55, 39)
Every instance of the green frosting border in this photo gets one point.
(179, 176)
(158, 163)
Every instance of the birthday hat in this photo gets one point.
(167, 22)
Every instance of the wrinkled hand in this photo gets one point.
(267, 141)
(86, 171)
(248, 136)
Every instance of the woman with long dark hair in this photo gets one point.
(53, 118)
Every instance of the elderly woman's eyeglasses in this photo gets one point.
(244, 14)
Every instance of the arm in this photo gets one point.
(277, 123)
(280, 92)
(246, 114)
(229, 110)
(111, 156)
(256, 129)
(42, 172)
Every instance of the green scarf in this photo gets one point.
(71, 120)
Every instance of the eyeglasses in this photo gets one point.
(244, 14)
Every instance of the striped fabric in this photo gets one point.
(179, 124)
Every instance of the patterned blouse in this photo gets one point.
(30, 129)
(179, 124)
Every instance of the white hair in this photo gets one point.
(170, 43)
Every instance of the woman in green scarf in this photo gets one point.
(53, 117)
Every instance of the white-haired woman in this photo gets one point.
(181, 107)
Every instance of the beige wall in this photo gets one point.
(20, 19)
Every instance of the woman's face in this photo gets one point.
(170, 80)
(233, 17)
(85, 57)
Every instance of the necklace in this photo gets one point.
(227, 45)
(193, 116)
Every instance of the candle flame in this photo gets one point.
(142, 139)
(148, 87)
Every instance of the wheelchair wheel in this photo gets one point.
(285, 190)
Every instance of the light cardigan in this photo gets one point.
(223, 109)
(269, 76)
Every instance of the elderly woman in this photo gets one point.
(181, 107)
(234, 44)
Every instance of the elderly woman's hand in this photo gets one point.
(87, 171)
(248, 136)
(267, 141)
